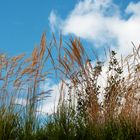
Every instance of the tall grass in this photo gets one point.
(80, 113)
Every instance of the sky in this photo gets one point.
(99, 24)
(22, 22)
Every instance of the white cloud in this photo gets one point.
(49, 106)
(46, 105)
(54, 21)
(133, 9)
(20, 101)
(100, 22)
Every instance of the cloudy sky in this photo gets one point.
(99, 23)
(113, 23)
(102, 22)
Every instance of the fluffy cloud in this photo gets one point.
(49, 106)
(55, 21)
(20, 101)
(46, 105)
(102, 23)
(134, 9)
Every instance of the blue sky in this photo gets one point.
(23, 21)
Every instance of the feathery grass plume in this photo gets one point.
(131, 107)
(82, 77)
(79, 114)
(20, 78)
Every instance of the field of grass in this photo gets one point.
(80, 114)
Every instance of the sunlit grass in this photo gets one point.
(80, 114)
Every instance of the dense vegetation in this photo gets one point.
(80, 113)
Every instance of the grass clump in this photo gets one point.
(80, 114)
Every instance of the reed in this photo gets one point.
(80, 114)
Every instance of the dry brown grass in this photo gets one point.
(122, 83)
(20, 77)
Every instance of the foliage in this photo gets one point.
(80, 114)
